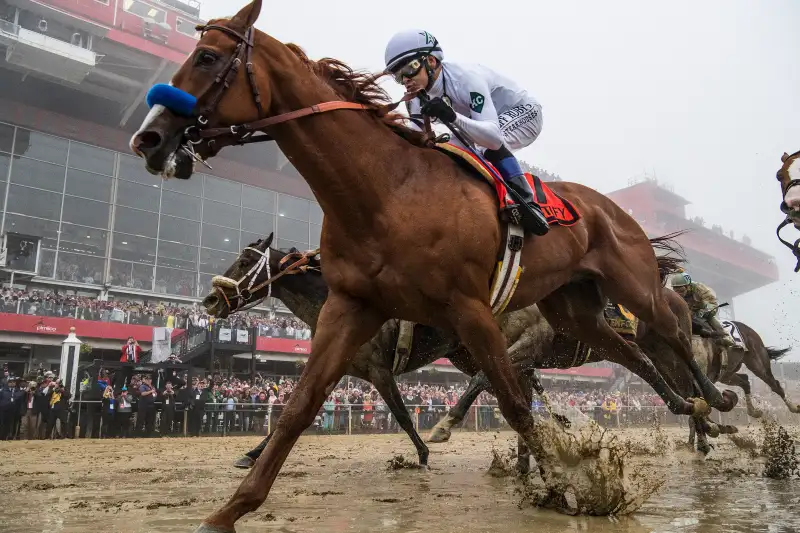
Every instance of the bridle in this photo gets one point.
(241, 134)
(244, 296)
(795, 248)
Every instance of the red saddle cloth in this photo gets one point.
(557, 210)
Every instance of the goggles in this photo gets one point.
(409, 70)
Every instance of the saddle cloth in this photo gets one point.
(620, 319)
(733, 331)
(557, 210)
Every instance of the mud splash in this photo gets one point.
(585, 472)
(779, 449)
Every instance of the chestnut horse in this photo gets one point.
(408, 233)
(789, 178)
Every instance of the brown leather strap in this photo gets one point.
(324, 107)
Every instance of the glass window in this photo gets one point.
(186, 27)
(88, 185)
(5, 163)
(34, 202)
(80, 268)
(35, 227)
(215, 262)
(193, 186)
(6, 137)
(38, 174)
(40, 146)
(79, 239)
(248, 238)
(180, 205)
(284, 245)
(220, 238)
(86, 212)
(292, 230)
(258, 199)
(135, 222)
(179, 230)
(85, 157)
(131, 275)
(221, 214)
(316, 231)
(139, 196)
(134, 248)
(133, 169)
(289, 206)
(47, 263)
(177, 255)
(258, 222)
(221, 190)
(315, 215)
(144, 10)
(174, 281)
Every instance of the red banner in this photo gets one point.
(89, 329)
(271, 344)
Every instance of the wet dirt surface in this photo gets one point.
(341, 483)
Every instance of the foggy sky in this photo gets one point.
(703, 95)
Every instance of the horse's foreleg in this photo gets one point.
(343, 326)
(441, 431)
(384, 383)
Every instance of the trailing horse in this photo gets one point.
(789, 178)
(408, 233)
(298, 283)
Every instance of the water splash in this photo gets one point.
(779, 450)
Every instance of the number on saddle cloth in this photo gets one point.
(176, 100)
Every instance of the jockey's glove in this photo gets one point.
(438, 108)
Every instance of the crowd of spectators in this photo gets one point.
(145, 312)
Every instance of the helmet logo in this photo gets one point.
(428, 37)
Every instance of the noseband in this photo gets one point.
(244, 296)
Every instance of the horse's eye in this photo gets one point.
(205, 59)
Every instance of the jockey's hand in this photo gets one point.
(438, 108)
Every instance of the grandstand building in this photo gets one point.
(91, 240)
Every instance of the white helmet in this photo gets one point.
(409, 44)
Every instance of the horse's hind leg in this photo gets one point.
(643, 296)
(758, 363)
(741, 380)
(577, 309)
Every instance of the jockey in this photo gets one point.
(495, 112)
(703, 304)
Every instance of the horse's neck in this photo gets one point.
(344, 155)
(304, 299)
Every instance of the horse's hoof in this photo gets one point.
(207, 528)
(244, 462)
(712, 430)
(756, 413)
(700, 408)
(439, 435)
(730, 399)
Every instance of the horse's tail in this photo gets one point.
(670, 255)
(776, 353)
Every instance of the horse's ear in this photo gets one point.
(784, 157)
(268, 240)
(248, 15)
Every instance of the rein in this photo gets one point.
(245, 295)
(244, 133)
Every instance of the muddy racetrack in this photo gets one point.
(342, 483)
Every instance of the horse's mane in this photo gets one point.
(673, 256)
(361, 88)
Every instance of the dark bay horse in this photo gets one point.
(789, 178)
(532, 342)
(408, 233)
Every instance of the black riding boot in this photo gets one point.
(531, 218)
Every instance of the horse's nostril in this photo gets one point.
(210, 301)
(147, 140)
